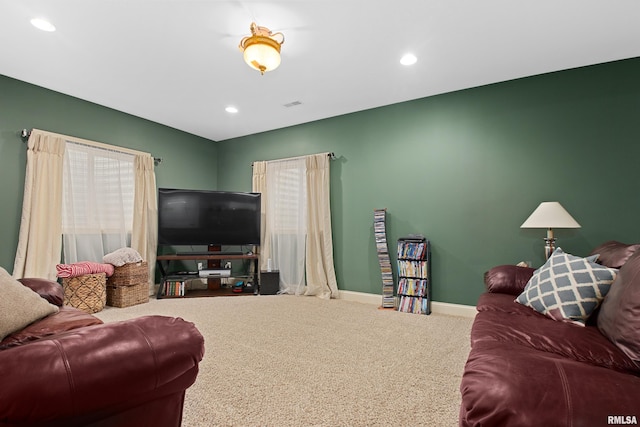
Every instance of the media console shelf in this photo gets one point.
(164, 261)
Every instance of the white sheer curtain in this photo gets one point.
(286, 222)
(297, 223)
(39, 241)
(97, 212)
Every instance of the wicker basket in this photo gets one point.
(128, 295)
(129, 274)
(129, 285)
(87, 292)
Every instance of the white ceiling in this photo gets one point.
(177, 62)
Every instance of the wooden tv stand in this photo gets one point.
(164, 261)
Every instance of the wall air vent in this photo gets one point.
(293, 104)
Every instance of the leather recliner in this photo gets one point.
(69, 369)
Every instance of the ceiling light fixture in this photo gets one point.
(262, 48)
(408, 59)
(231, 109)
(43, 24)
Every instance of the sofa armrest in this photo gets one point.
(66, 319)
(98, 369)
(507, 279)
(47, 289)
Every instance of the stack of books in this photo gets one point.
(412, 287)
(413, 305)
(379, 229)
(174, 286)
(411, 250)
(407, 268)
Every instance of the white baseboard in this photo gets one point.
(454, 309)
(436, 307)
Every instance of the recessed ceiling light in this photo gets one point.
(408, 59)
(42, 24)
(231, 109)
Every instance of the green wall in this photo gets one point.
(187, 161)
(467, 168)
(463, 168)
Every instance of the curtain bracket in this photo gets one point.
(25, 134)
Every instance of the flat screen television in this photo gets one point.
(201, 217)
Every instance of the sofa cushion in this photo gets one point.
(66, 319)
(503, 303)
(619, 317)
(614, 254)
(507, 279)
(538, 332)
(19, 305)
(47, 289)
(511, 385)
(567, 287)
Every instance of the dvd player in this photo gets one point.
(218, 272)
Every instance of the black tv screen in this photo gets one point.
(201, 217)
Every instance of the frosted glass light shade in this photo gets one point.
(262, 57)
(550, 215)
(43, 24)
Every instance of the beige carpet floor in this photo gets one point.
(301, 361)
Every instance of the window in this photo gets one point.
(98, 193)
(288, 185)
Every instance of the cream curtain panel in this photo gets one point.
(40, 238)
(259, 185)
(321, 276)
(144, 237)
(318, 242)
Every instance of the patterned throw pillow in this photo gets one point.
(567, 287)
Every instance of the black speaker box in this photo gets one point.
(269, 282)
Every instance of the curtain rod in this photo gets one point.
(330, 154)
(25, 134)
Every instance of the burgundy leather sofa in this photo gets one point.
(526, 369)
(69, 369)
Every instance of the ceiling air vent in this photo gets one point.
(293, 104)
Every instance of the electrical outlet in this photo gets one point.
(199, 266)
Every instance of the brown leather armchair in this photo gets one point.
(69, 369)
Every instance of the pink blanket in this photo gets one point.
(85, 267)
